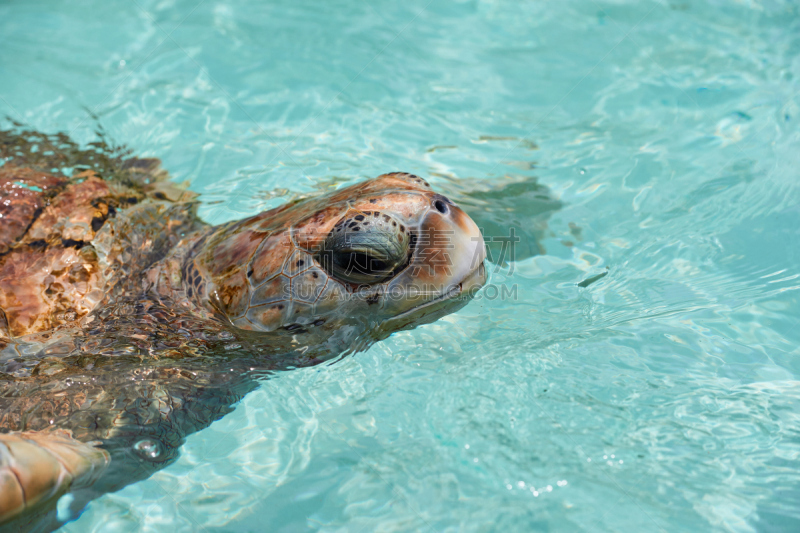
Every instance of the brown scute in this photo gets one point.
(21, 202)
(59, 252)
(41, 290)
(233, 293)
(269, 259)
(69, 216)
(310, 234)
(268, 314)
(232, 248)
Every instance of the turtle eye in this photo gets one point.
(366, 248)
(359, 265)
(441, 203)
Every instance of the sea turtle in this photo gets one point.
(127, 323)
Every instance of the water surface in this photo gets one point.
(663, 396)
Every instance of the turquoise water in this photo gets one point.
(664, 396)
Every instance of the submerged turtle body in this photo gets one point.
(126, 323)
(65, 248)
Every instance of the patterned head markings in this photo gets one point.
(284, 282)
(411, 178)
(355, 253)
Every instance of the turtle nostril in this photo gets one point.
(440, 206)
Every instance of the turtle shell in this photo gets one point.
(64, 244)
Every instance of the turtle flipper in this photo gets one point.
(37, 467)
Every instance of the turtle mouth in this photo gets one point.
(453, 298)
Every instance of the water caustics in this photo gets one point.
(632, 367)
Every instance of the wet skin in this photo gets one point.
(191, 317)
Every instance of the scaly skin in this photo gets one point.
(127, 323)
(37, 467)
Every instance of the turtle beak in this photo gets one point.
(469, 246)
(449, 249)
(446, 268)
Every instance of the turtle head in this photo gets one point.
(382, 255)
